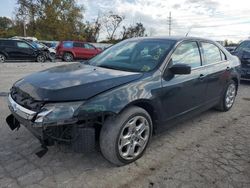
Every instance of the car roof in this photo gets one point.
(175, 38)
(3, 39)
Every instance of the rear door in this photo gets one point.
(9, 48)
(78, 49)
(89, 51)
(217, 66)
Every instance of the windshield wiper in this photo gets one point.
(118, 68)
(108, 67)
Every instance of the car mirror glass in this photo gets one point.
(180, 69)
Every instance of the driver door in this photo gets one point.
(184, 93)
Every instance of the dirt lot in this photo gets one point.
(211, 150)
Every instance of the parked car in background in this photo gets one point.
(50, 52)
(70, 50)
(243, 53)
(125, 94)
(230, 48)
(15, 49)
(50, 44)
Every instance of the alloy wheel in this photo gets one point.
(68, 57)
(2, 58)
(230, 95)
(40, 58)
(134, 137)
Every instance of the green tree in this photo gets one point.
(51, 19)
(6, 27)
(137, 30)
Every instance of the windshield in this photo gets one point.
(134, 55)
(37, 45)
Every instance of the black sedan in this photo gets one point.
(122, 96)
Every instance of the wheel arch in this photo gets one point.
(148, 106)
(236, 80)
(5, 54)
(70, 53)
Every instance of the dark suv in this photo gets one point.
(125, 94)
(71, 50)
(14, 49)
(243, 53)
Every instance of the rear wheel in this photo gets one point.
(123, 139)
(68, 57)
(228, 98)
(2, 58)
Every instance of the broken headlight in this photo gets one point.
(58, 113)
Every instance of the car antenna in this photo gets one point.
(188, 31)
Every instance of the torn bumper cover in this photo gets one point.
(78, 132)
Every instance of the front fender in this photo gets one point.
(115, 100)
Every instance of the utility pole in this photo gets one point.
(24, 28)
(170, 22)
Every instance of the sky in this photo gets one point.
(214, 19)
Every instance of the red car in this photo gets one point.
(70, 50)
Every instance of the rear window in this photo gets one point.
(88, 46)
(7, 43)
(212, 53)
(244, 46)
(78, 45)
(68, 44)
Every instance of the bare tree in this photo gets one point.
(111, 23)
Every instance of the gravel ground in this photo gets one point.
(210, 150)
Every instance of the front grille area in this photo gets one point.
(25, 100)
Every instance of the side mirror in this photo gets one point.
(180, 69)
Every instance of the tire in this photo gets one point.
(228, 98)
(52, 56)
(2, 58)
(135, 124)
(68, 57)
(40, 58)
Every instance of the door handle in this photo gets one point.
(202, 76)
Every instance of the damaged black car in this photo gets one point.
(118, 99)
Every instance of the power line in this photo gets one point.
(217, 25)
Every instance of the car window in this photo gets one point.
(88, 46)
(7, 43)
(67, 44)
(77, 44)
(22, 45)
(212, 53)
(244, 46)
(187, 53)
(134, 55)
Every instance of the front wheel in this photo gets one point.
(124, 138)
(228, 97)
(41, 58)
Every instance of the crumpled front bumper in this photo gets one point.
(82, 137)
(20, 115)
